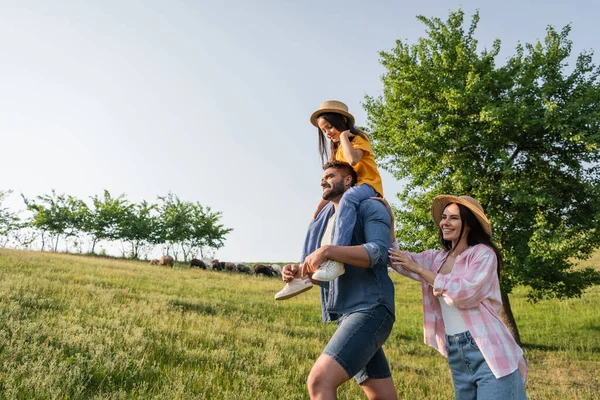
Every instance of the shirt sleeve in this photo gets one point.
(469, 289)
(377, 225)
(362, 144)
(424, 259)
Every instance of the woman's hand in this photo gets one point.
(401, 260)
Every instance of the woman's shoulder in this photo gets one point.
(480, 250)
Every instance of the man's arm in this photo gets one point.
(376, 225)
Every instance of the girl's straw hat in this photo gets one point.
(441, 202)
(331, 106)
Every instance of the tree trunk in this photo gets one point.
(508, 317)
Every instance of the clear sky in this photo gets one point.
(211, 99)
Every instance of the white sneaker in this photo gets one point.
(328, 271)
(294, 288)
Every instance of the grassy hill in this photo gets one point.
(79, 327)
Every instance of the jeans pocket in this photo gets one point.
(473, 343)
(384, 330)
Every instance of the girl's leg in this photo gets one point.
(347, 211)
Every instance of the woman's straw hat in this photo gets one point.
(331, 106)
(441, 202)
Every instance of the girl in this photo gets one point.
(347, 144)
(462, 303)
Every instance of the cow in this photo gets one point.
(197, 263)
(264, 270)
(243, 268)
(167, 261)
(154, 261)
(276, 268)
(216, 265)
(229, 266)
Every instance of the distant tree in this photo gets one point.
(138, 226)
(206, 231)
(105, 219)
(59, 215)
(522, 138)
(188, 227)
(9, 221)
(175, 223)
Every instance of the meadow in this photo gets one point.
(74, 327)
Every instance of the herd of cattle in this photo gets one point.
(258, 269)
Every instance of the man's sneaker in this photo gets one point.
(294, 288)
(328, 271)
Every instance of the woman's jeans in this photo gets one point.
(472, 376)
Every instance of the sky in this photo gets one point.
(211, 99)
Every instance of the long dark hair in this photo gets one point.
(341, 123)
(475, 236)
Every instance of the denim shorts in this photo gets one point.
(472, 376)
(356, 344)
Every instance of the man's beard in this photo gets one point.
(335, 190)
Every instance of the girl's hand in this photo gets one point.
(348, 134)
(401, 260)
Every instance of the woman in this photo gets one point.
(462, 303)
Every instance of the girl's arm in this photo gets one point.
(352, 155)
(468, 290)
(320, 206)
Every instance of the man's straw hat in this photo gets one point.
(441, 202)
(331, 106)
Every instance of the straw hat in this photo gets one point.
(331, 106)
(441, 202)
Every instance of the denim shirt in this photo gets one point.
(359, 288)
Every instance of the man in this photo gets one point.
(361, 300)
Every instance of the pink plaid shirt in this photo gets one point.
(473, 287)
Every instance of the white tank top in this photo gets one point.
(453, 321)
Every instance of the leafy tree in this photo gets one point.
(189, 227)
(175, 223)
(9, 221)
(206, 231)
(61, 216)
(522, 138)
(138, 226)
(104, 221)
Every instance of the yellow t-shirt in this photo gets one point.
(366, 169)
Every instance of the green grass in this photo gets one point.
(76, 327)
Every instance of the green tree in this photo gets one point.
(138, 226)
(175, 223)
(522, 138)
(188, 227)
(104, 221)
(206, 231)
(59, 215)
(9, 221)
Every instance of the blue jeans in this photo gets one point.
(346, 213)
(356, 344)
(472, 376)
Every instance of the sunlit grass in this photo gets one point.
(79, 327)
